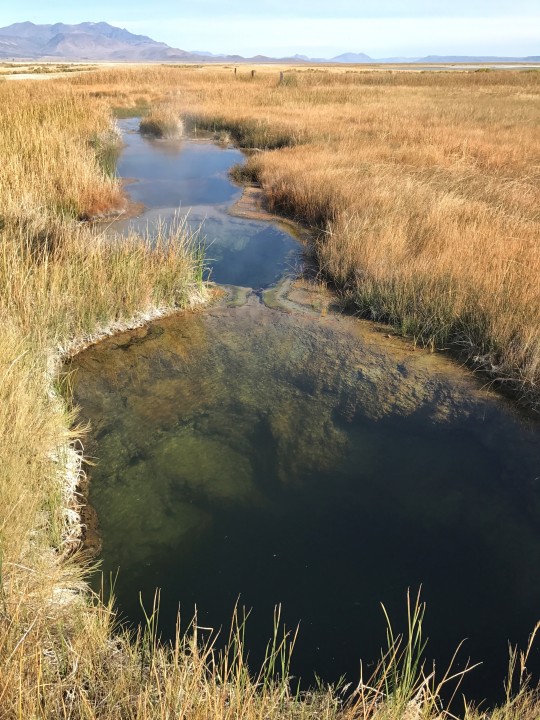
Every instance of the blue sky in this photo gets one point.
(380, 28)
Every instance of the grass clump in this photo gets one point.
(246, 173)
(288, 79)
(246, 132)
(163, 121)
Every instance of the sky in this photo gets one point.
(380, 28)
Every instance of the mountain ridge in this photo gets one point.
(102, 41)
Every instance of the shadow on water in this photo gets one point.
(289, 459)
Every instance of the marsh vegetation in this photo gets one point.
(61, 285)
(163, 121)
(422, 191)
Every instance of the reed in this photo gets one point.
(86, 665)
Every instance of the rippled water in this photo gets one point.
(310, 461)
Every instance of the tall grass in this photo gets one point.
(85, 665)
(48, 145)
(60, 285)
(163, 121)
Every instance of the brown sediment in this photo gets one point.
(91, 541)
(252, 207)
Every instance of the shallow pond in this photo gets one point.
(307, 459)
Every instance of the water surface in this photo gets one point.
(283, 459)
(187, 176)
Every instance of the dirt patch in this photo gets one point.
(252, 206)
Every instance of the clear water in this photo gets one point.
(246, 453)
(280, 459)
(175, 178)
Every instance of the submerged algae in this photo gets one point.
(305, 460)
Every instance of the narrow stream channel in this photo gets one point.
(175, 178)
(303, 458)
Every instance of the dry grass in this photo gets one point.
(426, 209)
(47, 142)
(422, 188)
(163, 121)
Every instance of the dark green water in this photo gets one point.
(285, 458)
(246, 452)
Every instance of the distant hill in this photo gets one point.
(475, 58)
(96, 41)
(100, 41)
(353, 58)
(85, 41)
(356, 58)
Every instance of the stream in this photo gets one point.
(269, 450)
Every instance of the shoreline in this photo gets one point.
(78, 513)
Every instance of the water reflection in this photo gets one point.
(191, 177)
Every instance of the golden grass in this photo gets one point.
(163, 121)
(46, 143)
(426, 208)
(422, 188)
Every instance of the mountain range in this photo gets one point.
(100, 41)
